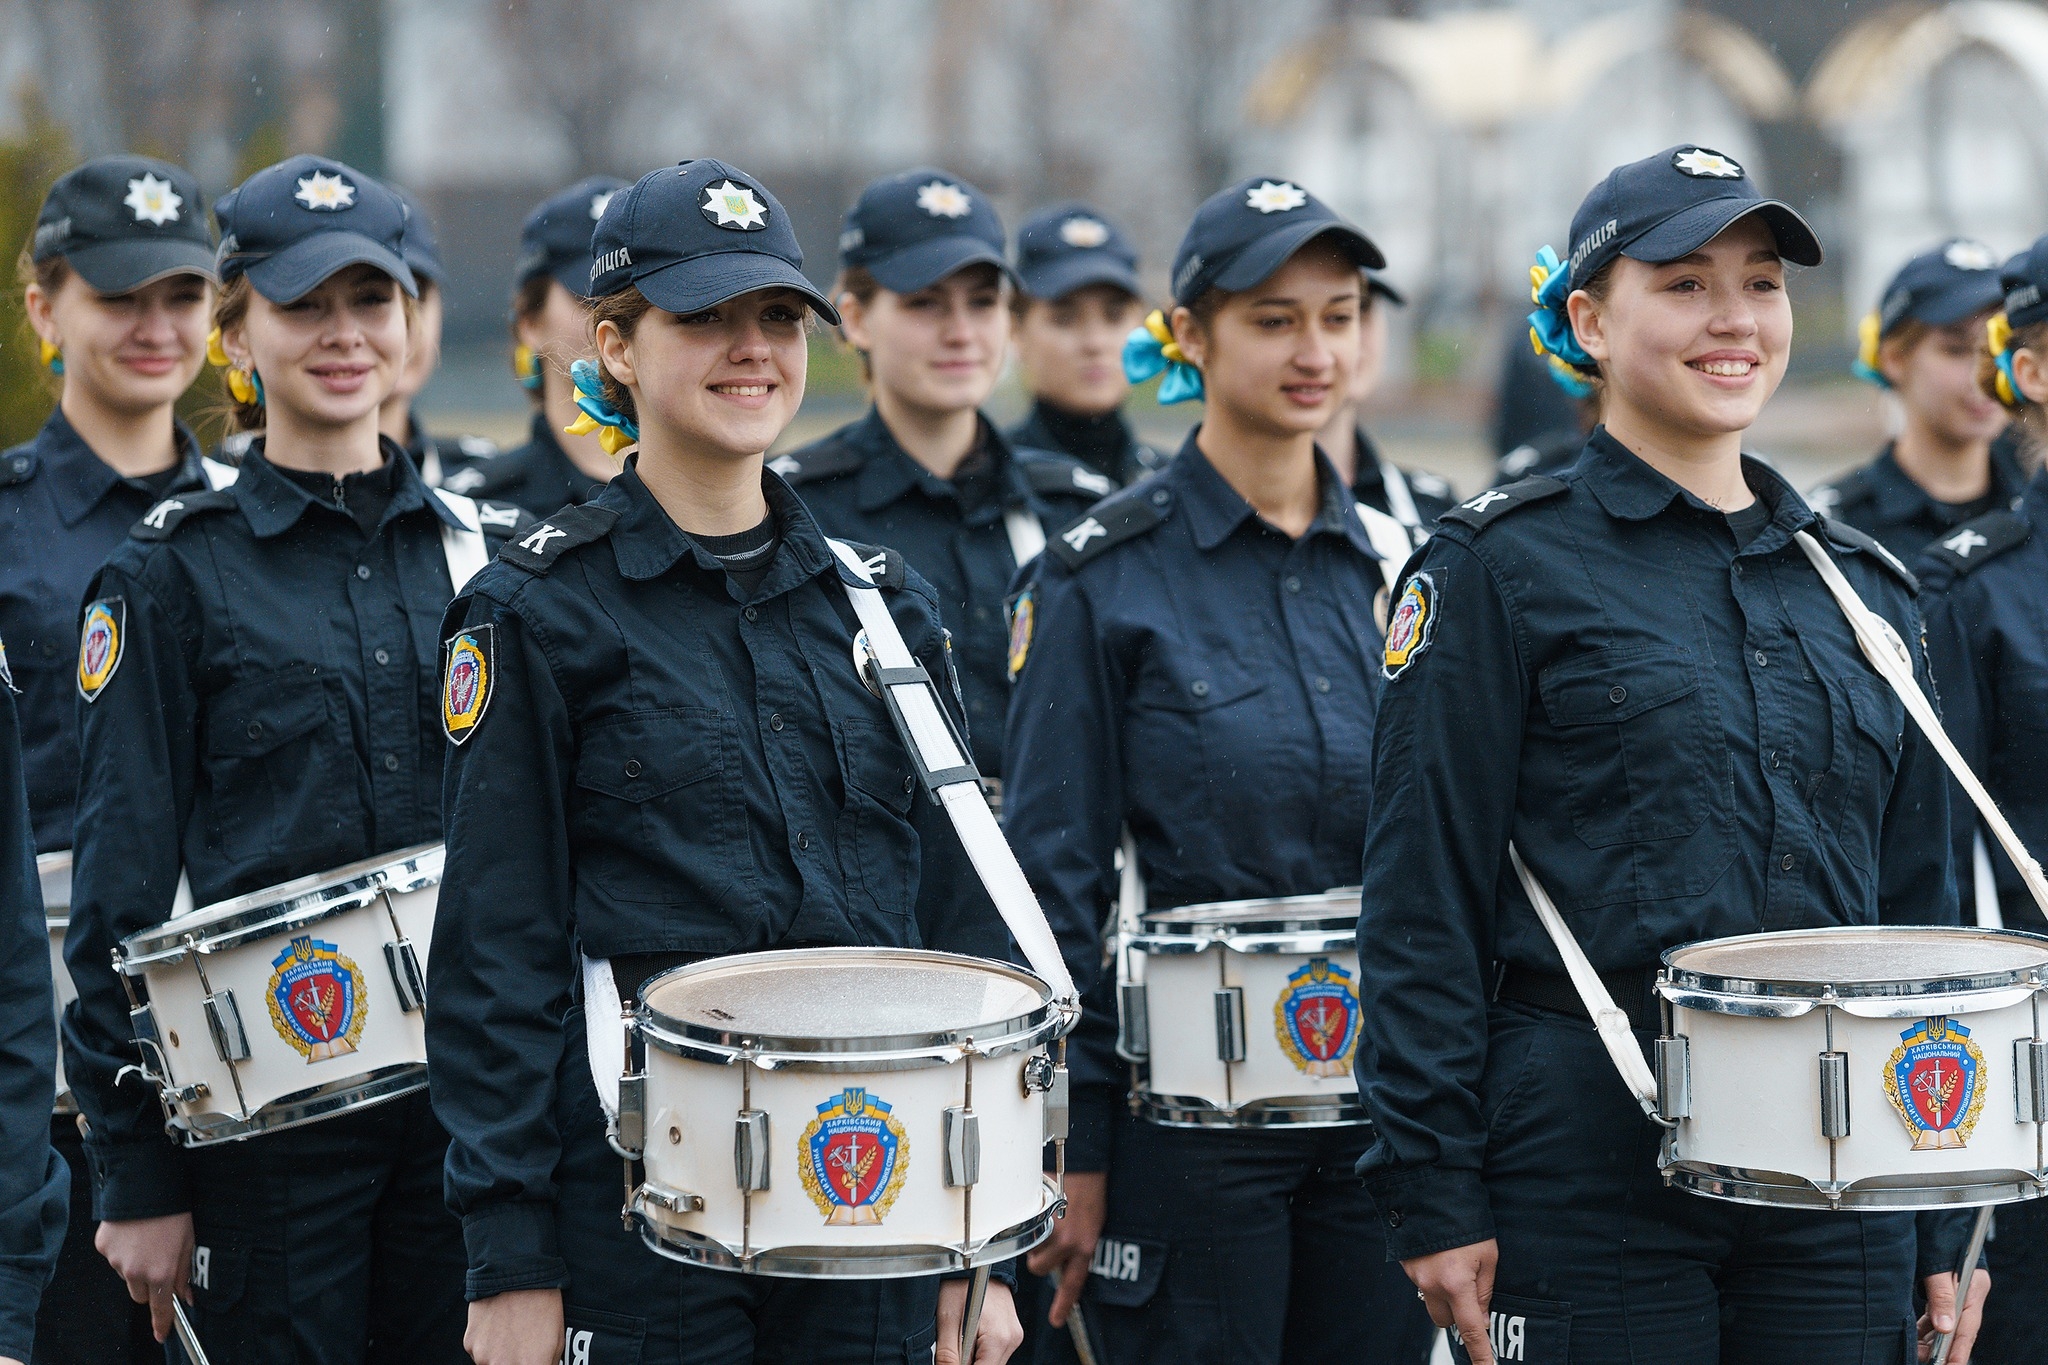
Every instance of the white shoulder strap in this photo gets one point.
(464, 549)
(430, 466)
(1389, 537)
(1399, 500)
(218, 475)
(924, 727)
(1027, 536)
(604, 1037)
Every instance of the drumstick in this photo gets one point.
(187, 1338)
(1971, 1255)
(1077, 1328)
(970, 1327)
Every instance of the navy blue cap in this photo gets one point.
(693, 235)
(1943, 284)
(2025, 281)
(555, 238)
(1672, 204)
(1241, 235)
(1377, 283)
(912, 229)
(292, 225)
(1070, 246)
(422, 250)
(123, 221)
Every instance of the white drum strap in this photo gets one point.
(1389, 537)
(1984, 883)
(464, 549)
(1130, 908)
(924, 723)
(1027, 536)
(1400, 502)
(1887, 654)
(430, 466)
(1610, 1019)
(218, 475)
(604, 1035)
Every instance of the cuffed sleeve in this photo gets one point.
(512, 1246)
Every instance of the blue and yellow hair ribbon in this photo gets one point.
(614, 432)
(1550, 326)
(244, 386)
(1998, 337)
(1150, 349)
(1869, 336)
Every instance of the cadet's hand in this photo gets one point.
(1457, 1286)
(1066, 1254)
(154, 1257)
(518, 1327)
(996, 1335)
(1941, 1314)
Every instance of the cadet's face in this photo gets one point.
(332, 355)
(1280, 356)
(1699, 344)
(423, 351)
(132, 352)
(727, 380)
(1072, 348)
(939, 349)
(1937, 381)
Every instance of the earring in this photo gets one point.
(53, 357)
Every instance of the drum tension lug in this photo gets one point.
(1134, 1041)
(671, 1201)
(406, 977)
(224, 1022)
(1834, 1095)
(629, 1129)
(750, 1150)
(1674, 1077)
(2030, 1079)
(962, 1127)
(1230, 1024)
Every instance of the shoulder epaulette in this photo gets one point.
(477, 447)
(161, 520)
(1849, 538)
(539, 549)
(812, 463)
(1828, 498)
(886, 568)
(1129, 514)
(1979, 540)
(1051, 474)
(235, 445)
(464, 480)
(1429, 485)
(1495, 503)
(16, 465)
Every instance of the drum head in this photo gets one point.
(1326, 910)
(847, 999)
(1871, 960)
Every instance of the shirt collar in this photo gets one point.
(1631, 490)
(1369, 474)
(273, 503)
(1895, 495)
(889, 472)
(79, 478)
(647, 543)
(1215, 510)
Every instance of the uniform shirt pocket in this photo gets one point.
(1877, 736)
(1634, 742)
(656, 811)
(279, 784)
(1195, 727)
(878, 847)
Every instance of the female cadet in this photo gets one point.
(1633, 673)
(672, 758)
(1985, 592)
(439, 459)
(1077, 298)
(116, 282)
(1946, 465)
(550, 333)
(920, 292)
(1413, 498)
(259, 706)
(1203, 672)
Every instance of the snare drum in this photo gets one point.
(1859, 1068)
(1245, 1013)
(54, 871)
(850, 1113)
(289, 1004)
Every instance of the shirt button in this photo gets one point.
(1617, 695)
(1199, 688)
(909, 784)
(751, 613)
(1776, 759)
(255, 729)
(1785, 863)
(632, 767)
(1322, 684)
(1394, 1217)
(363, 572)
(391, 763)
(803, 840)
(1738, 568)
(1763, 660)
(383, 656)
(775, 721)
(1293, 583)
(1159, 498)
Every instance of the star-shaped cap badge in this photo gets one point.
(598, 203)
(1702, 164)
(734, 207)
(153, 200)
(941, 200)
(323, 191)
(1969, 255)
(1268, 197)
(1083, 233)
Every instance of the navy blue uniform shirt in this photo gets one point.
(539, 476)
(1199, 676)
(34, 1184)
(664, 767)
(859, 484)
(1986, 599)
(1682, 739)
(269, 707)
(1104, 443)
(63, 510)
(1881, 500)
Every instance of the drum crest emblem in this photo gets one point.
(317, 1000)
(1316, 1018)
(854, 1156)
(1935, 1079)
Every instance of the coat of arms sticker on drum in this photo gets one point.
(854, 1156)
(317, 1000)
(1316, 1018)
(1935, 1079)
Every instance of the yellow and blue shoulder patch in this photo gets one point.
(1023, 619)
(99, 645)
(1413, 627)
(466, 681)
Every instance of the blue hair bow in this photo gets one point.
(1150, 349)
(1550, 326)
(614, 432)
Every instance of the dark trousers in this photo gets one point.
(2016, 1314)
(86, 1316)
(1246, 1247)
(627, 1305)
(330, 1244)
(1602, 1264)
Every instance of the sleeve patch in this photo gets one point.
(469, 675)
(1413, 627)
(1023, 619)
(99, 645)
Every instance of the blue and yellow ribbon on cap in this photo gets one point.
(1550, 326)
(1150, 349)
(1869, 336)
(614, 432)
(1998, 337)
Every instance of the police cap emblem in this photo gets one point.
(323, 191)
(734, 207)
(1702, 164)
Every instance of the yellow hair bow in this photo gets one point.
(216, 354)
(1161, 333)
(610, 439)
